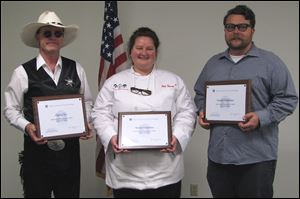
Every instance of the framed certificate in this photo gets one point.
(227, 101)
(144, 130)
(60, 116)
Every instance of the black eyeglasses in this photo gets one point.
(241, 27)
(57, 34)
(139, 91)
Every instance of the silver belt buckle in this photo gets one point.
(56, 145)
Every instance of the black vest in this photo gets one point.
(41, 84)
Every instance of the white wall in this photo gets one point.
(190, 33)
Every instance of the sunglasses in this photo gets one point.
(241, 27)
(139, 91)
(49, 34)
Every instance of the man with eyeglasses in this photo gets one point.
(242, 157)
(47, 165)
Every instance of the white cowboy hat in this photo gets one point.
(47, 18)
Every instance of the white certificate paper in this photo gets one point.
(58, 118)
(144, 130)
(226, 102)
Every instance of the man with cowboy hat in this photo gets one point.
(47, 165)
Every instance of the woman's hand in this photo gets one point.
(115, 146)
(172, 147)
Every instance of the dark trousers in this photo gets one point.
(241, 181)
(168, 191)
(45, 171)
(42, 185)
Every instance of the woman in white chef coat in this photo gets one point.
(144, 87)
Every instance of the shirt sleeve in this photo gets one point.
(85, 90)
(199, 89)
(283, 96)
(102, 115)
(185, 118)
(14, 96)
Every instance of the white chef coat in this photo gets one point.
(144, 169)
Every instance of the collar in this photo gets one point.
(253, 52)
(40, 62)
(138, 74)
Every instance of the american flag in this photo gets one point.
(113, 59)
(113, 56)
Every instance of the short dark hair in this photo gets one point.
(241, 10)
(143, 31)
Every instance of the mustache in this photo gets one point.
(236, 37)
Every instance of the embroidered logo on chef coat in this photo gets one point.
(120, 86)
(168, 85)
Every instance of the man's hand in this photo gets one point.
(251, 122)
(89, 134)
(201, 121)
(31, 131)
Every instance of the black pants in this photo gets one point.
(168, 191)
(45, 171)
(241, 181)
